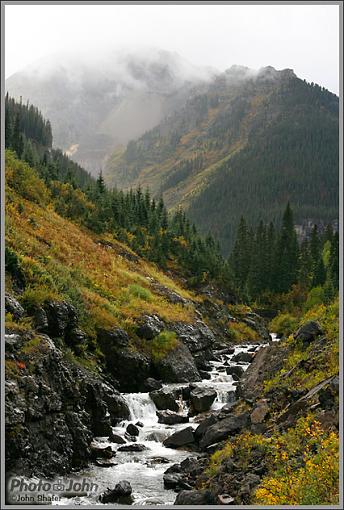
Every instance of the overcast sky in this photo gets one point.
(302, 37)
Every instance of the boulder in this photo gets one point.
(131, 439)
(195, 497)
(115, 438)
(120, 494)
(171, 418)
(104, 453)
(13, 307)
(236, 370)
(133, 448)
(246, 357)
(204, 425)
(196, 337)
(105, 463)
(260, 412)
(180, 438)
(132, 430)
(149, 327)
(152, 384)
(308, 332)
(223, 429)
(164, 399)
(139, 424)
(171, 481)
(176, 366)
(204, 374)
(202, 398)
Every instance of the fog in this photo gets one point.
(202, 38)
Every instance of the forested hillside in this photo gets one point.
(153, 357)
(248, 145)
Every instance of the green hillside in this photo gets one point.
(244, 147)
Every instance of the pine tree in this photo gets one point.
(286, 258)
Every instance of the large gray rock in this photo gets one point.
(308, 332)
(152, 384)
(120, 494)
(177, 366)
(195, 497)
(204, 425)
(246, 357)
(223, 429)
(236, 370)
(171, 418)
(197, 337)
(164, 399)
(180, 438)
(201, 398)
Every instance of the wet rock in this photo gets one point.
(223, 429)
(177, 366)
(164, 399)
(115, 438)
(120, 494)
(131, 439)
(204, 425)
(204, 374)
(260, 412)
(139, 424)
(104, 453)
(106, 463)
(13, 307)
(152, 384)
(246, 357)
(308, 332)
(133, 448)
(158, 460)
(149, 327)
(175, 468)
(171, 481)
(195, 497)
(170, 418)
(202, 399)
(180, 438)
(236, 370)
(132, 430)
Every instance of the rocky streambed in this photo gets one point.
(170, 430)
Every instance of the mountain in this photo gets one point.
(245, 146)
(97, 102)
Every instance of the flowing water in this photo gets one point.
(144, 470)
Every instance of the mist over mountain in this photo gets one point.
(101, 100)
(251, 141)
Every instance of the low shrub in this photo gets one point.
(284, 324)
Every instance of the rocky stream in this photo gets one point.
(148, 449)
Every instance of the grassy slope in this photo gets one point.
(60, 259)
(303, 461)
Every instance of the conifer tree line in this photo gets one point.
(267, 261)
(134, 217)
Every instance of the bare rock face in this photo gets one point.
(53, 433)
(177, 366)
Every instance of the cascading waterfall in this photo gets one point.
(141, 407)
